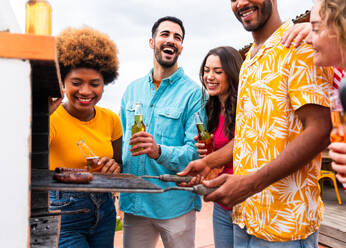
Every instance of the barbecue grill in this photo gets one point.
(46, 83)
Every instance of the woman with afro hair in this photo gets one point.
(88, 61)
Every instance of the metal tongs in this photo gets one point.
(171, 178)
(199, 189)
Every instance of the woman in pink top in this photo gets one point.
(219, 75)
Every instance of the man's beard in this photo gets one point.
(161, 61)
(265, 11)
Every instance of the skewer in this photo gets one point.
(199, 189)
(170, 178)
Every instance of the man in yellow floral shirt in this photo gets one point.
(282, 125)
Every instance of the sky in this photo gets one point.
(208, 24)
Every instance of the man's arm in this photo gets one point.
(314, 138)
(201, 167)
(221, 157)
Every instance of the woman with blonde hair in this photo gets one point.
(328, 38)
(328, 35)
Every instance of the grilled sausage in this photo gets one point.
(73, 177)
(63, 169)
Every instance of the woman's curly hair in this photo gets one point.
(333, 13)
(87, 48)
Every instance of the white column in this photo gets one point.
(8, 19)
(15, 105)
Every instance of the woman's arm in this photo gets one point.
(113, 165)
(117, 148)
(54, 103)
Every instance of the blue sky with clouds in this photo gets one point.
(128, 22)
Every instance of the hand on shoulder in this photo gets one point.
(296, 34)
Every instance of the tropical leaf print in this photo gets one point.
(275, 83)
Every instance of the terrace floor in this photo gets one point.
(333, 228)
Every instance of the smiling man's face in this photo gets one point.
(253, 14)
(167, 43)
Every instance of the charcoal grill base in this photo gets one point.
(44, 231)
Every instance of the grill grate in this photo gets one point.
(42, 180)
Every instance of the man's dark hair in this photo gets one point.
(167, 18)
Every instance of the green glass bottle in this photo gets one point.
(138, 124)
(203, 136)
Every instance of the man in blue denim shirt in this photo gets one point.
(169, 99)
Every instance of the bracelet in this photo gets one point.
(159, 153)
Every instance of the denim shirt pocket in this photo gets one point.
(130, 115)
(169, 126)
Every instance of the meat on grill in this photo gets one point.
(73, 177)
(63, 169)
